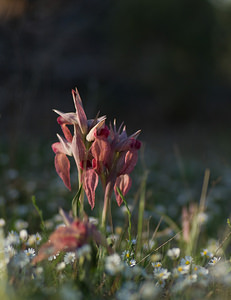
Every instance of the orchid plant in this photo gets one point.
(100, 152)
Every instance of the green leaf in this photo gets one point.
(76, 203)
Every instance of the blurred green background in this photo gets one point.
(160, 66)
(153, 64)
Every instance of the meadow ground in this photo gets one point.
(171, 241)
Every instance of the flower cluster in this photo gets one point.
(99, 152)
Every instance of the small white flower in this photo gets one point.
(182, 269)
(214, 260)
(9, 252)
(186, 261)
(126, 255)
(31, 240)
(23, 234)
(20, 224)
(161, 273)
(69, 257)
(149, 245)
(60, 266)
(38, 238)
(157, 264)
(206, 253)
(94, 221)
(174, 253)
(113, 264)
(53, 257)
(30, 252)
(132, 262)
(148, 291)
(202, 218)
(2, 222)
(12, 238)
(49, 224)
(200, 271)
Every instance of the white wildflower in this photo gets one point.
(49, 224)
(23, 234)
(60, 266)
(200, 271)
(186, 261)
(202, 218)
(161, 273)
(132, 262)
(31, 240)
(2, 222)
(157, 264)
(206, 253)
(148, 291)
(94, 221)
(30, 252)
(182, 269)
(38, 238)
(126, 255)
(9, 252)
(113, 264)
(69, 257)
(53, 257)
(173, 253)
(214, 260)
(20, 224)
(12, 238)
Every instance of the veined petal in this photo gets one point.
(92, 122)
(66, 145)
(66, 118)
(62, 166)
(66, 133)
(91, 135)
(130, 161)
(90, 181)
(101, 151)
(81, 116)
(58, 148)
(123, 182)
(78, 148)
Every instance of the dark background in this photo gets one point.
(157, 65)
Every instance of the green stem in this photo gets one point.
(107, 198)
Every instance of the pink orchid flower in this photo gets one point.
(99, 152)
(69, 238)
(73, 145)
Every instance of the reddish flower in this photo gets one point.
(70, 238)
(98, 151)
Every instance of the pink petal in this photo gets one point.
(123, 182)
(130, 161)
(58, 148)
(101, 151)
(66, 133)
(90, 181)
(66, 145)
(81, 116)
(66, 118)
(78, 148)
(91, 135)
(62, 166)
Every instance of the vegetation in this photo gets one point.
(165, 237)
